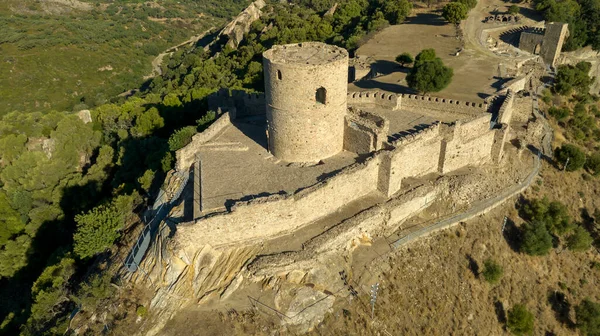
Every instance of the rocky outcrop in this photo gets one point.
(238, 27)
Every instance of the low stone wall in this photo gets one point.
(187, 155)
(442, 104)
(374, 98)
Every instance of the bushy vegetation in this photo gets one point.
(536, 239)
(571, 78)
(404, 59)
(553, 214)
(588, 317)
(520, 321)
(580, 240)
(583, 17)
(492, 271)
(84, 58)
(429, 74)
(572, 153)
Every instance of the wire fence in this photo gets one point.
(159, 212)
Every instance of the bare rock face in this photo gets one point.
(308, 308)
(238, 27)
(85, 116)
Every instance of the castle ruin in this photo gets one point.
(273, 163)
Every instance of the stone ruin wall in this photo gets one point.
(530, 41)
(555, 36)
(506, 109)
(364, 132)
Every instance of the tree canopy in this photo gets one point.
(429, 74)
(520, 321)
(455, 12)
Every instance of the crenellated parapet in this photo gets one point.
(442, 104)
(238, 103)
(423, 134)
(374, 98)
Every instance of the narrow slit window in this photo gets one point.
(321, 96)
(279, 74)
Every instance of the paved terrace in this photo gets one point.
(237, 166)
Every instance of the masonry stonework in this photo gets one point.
(306, 86)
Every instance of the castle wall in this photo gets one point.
(358, 139)
(506, 109)
(470, 144)
(374, 98)
(442, 104)
(278, 214)
(187, 155)
(238, 103)
(414, 156)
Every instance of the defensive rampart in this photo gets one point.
(238, 103)
(374, 98)
(277, 214)
(364, 132)
(506, 109)
(441, 104)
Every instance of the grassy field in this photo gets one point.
(66, 54)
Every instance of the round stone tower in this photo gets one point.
(305, 90)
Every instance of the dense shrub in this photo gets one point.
(470, 4)
(492, 271)
(592, 163)
(520, 320)
(588, 317)
(572, 153)
(580, 240)
(536, 240)
(569, 78)
(553, 214)
(559, 113)
(404, 59)
(181, 138)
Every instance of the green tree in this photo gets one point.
(569, 78)
(553, 214)
(99, 228)
(492, 271)
(580, 240)
(536, 240)
(470, 4)
(48, 292)
(588, 317)
(429, 74)
(514, 10)
(146, 180)
(396, 11)
(454, 12)
(572, 153)
(404, 59)
(147, 123)
(592, 163)
(520, 320)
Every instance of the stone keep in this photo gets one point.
(306, 88)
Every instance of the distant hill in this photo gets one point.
(65, 54)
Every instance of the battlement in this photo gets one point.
(502, 18)
(443, 104)
(422, 134)
(238, 102)
(375, 98)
